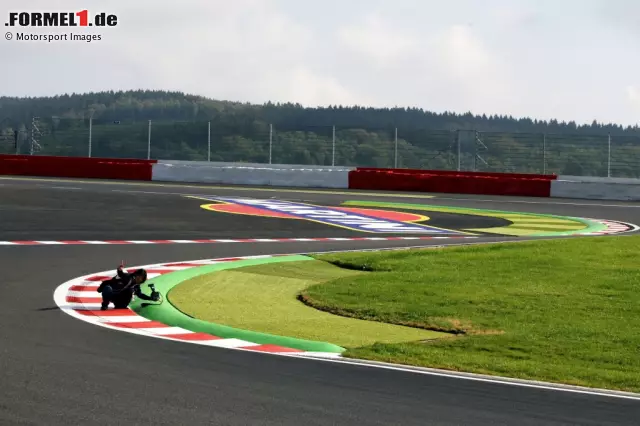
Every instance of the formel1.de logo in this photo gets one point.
(61, 19)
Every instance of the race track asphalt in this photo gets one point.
(56, 370)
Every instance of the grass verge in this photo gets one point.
(263, 298)
(564, 311)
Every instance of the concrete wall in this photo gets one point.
(251, 174)
(598, 179)
(596, 188)
(253, 165)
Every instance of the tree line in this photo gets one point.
(292, 134)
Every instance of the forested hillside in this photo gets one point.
(363, 136)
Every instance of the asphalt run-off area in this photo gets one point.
(59, 367)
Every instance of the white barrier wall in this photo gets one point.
(251, 174)
(598, 179)
(591, 188)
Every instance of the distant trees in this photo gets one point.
(364, 136)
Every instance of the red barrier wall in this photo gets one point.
(76, 167)
(493, 184)
(456, 173)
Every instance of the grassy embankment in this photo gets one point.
(263, 298)
(563, 311)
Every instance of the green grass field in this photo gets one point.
(263, 298)
(563, 310)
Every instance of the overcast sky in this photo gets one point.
(566, 59)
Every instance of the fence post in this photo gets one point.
(459, 150)
(270, 141)
(149, 142)
(544, 153)
(209, 141)
(90, 128)
(609, 157)
(395, 162)
(475, 151)
(33, 135)
(333, 149)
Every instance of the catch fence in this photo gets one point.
(256, 142)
